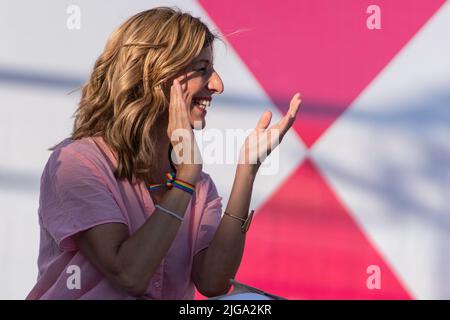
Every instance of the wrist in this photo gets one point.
(189, 173)
(247, 171)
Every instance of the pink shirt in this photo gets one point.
(79, 191)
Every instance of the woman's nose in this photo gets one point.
(215, 83)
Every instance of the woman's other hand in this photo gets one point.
(262, 140)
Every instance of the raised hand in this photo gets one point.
(186, 153)
(263, 140)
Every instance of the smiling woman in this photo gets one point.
(135, 219)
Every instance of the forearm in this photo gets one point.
(141, 254)
(224, 253)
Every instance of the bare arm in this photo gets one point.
(216, 265)
(129, 262)
(224, 253)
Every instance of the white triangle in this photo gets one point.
(388, 158)
(36, 118)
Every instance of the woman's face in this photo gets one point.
(202, 82)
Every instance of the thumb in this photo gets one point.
(264, 121)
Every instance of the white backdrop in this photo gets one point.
(41, 61)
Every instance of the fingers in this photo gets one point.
(289, 118)
(286, 122)
(264, 121)
(294, 105)
(178, 94)
(181, 128)
(181, 101)
(184, 87)
(180, 90)
(175, 97)
(182, 80)
(178, 110)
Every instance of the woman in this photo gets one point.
(121, 215)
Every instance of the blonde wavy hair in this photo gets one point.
(126, 99)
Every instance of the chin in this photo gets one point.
(198, 124)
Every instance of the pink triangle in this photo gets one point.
(304, 245)
(321, 48)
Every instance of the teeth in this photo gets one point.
(202, 103)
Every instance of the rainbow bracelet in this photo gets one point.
(183, 185)
(171, 181)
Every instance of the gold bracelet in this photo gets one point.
(245, 222)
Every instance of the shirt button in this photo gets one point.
(157, 284)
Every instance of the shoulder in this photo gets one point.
(80, 150)
(76, 156)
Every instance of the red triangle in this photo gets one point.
(321, 48)
(304, 245)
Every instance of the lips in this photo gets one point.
(201, 103)
(201, 109)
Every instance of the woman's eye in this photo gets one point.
(202, 70)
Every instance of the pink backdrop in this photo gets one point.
(303, 242)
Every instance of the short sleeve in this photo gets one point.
(74, 198)
(211, 217)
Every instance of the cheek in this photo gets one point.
(195, 85)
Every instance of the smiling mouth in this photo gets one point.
(201, 103)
